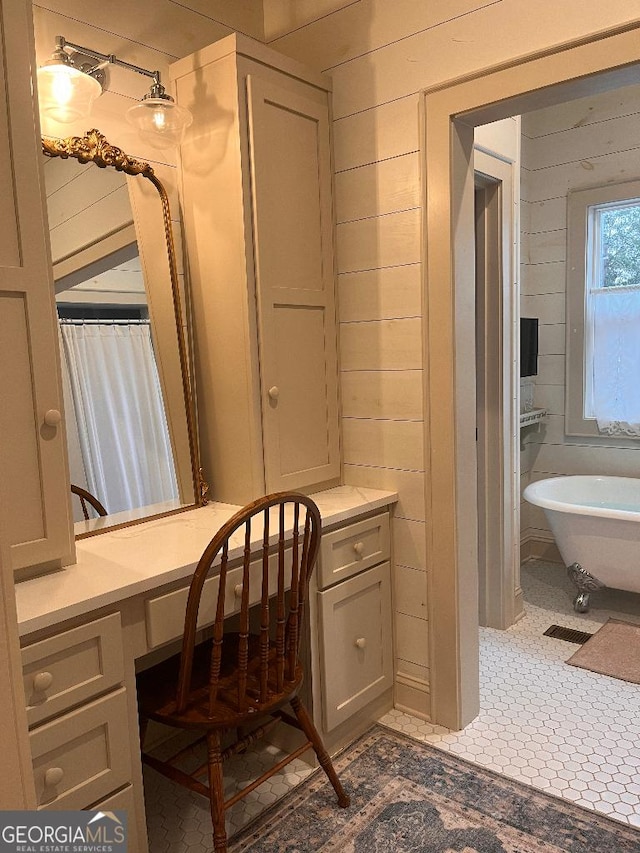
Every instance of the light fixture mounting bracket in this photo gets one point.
(86, 63)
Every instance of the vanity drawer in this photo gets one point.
(72, 667)
(83, 756)
(350, 550)
(165, 614)
(355, 643)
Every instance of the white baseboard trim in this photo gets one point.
(412, 696)
(538, 546)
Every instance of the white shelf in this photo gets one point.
(535, 416)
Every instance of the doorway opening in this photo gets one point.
(452, 112)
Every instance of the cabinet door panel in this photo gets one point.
(302, 404)
(34, 496)
(356, 651)
(293, 245)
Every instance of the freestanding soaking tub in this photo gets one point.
(596, 524)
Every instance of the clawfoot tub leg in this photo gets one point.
(585, 583)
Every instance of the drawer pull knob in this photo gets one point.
(358, 547)
(274, 392)
(42, 681)
(53, 777)
(237, 590)
(52, 417)
(361, 642)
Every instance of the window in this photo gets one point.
(603, 311)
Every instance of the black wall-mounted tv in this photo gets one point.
(528, 346)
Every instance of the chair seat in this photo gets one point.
(157, 688)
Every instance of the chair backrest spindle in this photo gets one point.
(264, 613)
(243, 644)
(266, 664)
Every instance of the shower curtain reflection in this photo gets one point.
(115, 394)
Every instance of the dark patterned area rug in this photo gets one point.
(407, 796)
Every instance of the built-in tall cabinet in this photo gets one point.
(256, 194)
(34, 482)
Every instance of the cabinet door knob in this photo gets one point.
(360, 642)
(237, 590)
(358, 547)
(42, 681)
(53, 777)
(274, 392)
(52, 417)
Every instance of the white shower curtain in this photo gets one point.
(120, 415)
(616, 359)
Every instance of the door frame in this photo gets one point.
(451, 111)
(498, 450)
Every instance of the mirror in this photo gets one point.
(129, 406)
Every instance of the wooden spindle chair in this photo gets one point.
(87, 498)
(241, 680)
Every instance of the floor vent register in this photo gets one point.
(558, 632)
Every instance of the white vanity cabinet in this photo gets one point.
(353, 605)
(257, 200)
(85, 631)
(34, 493)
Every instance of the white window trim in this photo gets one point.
(578, 204)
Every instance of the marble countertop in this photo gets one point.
(133, 560)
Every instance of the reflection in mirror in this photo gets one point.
(128, 403)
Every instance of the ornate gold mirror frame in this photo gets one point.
(94, 148)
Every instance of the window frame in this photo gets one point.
(580, 257)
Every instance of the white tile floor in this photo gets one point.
(567, 731)
(572, 733)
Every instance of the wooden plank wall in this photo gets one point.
(381, 55)
(585, 143)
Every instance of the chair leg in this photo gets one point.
(311, 732)
(216, 792)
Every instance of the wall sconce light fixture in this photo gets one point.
(69, 83)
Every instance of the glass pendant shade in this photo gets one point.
(160, 121)
(66, 93)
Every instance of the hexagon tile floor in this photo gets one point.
(572, 733)
(567, 731)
